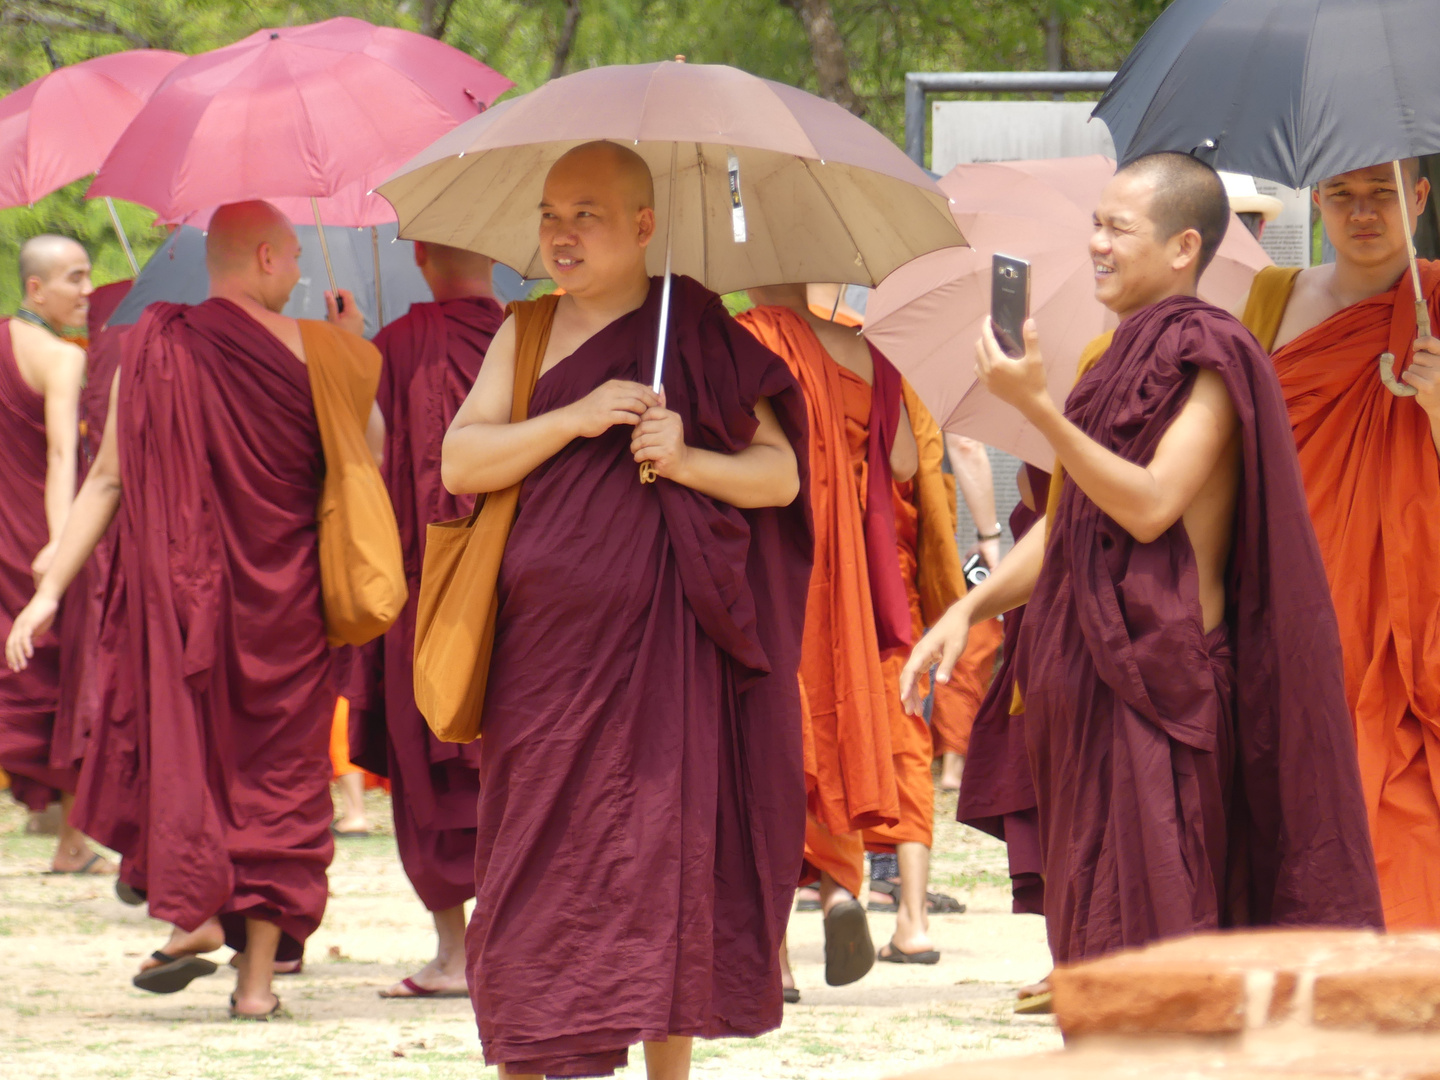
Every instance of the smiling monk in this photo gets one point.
(1179, 661)
(641, 752)
(1371, 463)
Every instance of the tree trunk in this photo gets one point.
(827, 46)
(567, 38)
(1054, 39)
(435, 17)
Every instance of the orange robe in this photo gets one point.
(957, 702)
(930, 568)
(1372, 481)
(849, 775)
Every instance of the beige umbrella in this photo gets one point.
(927, 316)
(757, 183)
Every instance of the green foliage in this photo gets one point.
(884, 39)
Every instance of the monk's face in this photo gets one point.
(1361, 212)
(278, 259)
(593, 228)
(62, 296)
(1134, 265)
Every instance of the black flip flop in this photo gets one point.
(256, 1018)
(128, 894)
(849, 951)
(174, 973)
(790, 995)
(884, 888)
(892, 955)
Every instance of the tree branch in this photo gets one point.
(827, 47)
(63, 16)
(567, 38)
(435, 17)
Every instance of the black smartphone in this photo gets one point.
(1009, 302)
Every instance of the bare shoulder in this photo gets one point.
(47, 363)
(1310, 304)
(846, 347)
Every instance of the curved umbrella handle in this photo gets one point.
(1391, 383)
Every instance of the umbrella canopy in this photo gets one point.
(354, 206)
(293, 112)
(176, 273)
(926, 317)
(823, 196)
(1291, 90)
(60, 127)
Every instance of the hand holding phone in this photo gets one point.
(1009, 302)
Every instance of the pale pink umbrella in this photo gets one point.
(293, 112)
(61, 126)
(927, 315)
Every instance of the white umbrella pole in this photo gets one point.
(325, 252)
(379, 293)
(647, 470)
(120, 232)
(1422, 314)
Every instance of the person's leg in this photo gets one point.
(73, 851)
(446, 973)
(207, 937)
(668, 1060)
(506, 1074)
(352, 803)
(912, 924)
(787, 977)
(253, 996)
(951, 771)
(832, 893)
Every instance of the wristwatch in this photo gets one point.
(982, 537)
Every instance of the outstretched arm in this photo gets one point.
(64, 376)
(765, 473)
(1145, 500)
(90, 515)
(1006, 589)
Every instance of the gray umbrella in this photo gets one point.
(176, 273)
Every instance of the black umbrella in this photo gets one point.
(176, 273)
(1291, 90)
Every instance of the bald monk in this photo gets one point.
(210, 772)
(432, 355)
(1179, 662)
(641, 814)
(1372, 482)
(40, 379)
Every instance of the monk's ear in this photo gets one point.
(645, 226)
(265, 257)
(1186, 245)
(422, 255)
(1422, 195)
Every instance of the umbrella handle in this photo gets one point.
(325, 254)
(647, 469)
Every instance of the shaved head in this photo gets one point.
(453, 262)
(44, 256)
(236, 233)
(611, 164)
(1188, 194)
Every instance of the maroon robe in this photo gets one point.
(27, 698)
(642, 787)
(432, 356)
(997, 793)
(210, 772)
(1187, 780)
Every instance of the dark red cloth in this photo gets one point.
(27, 698)
(997, 793)
(641, 742)
(432, 356)
(1188, 780)
(887, 588)
(210, 772)
(103, 302)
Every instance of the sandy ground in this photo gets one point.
(67, 1008)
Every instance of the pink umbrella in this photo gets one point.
(293, 112)
(60, 127)
(927, 315)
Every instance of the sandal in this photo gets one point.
(849, 951)
(418, 991)
(174, 972)
(935, 903)
(256, 1018)
(892, 954)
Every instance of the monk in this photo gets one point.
(641, 814)
(40, 379)
(1179, 662)
(1372, 482)
(210, 772)
(432, 356)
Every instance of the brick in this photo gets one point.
(1170, 1065)
(1123, 998)
(1390, 998)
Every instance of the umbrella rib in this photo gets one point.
(804, 164)
(704, 215)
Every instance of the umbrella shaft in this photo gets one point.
(1422, 314)
(120, 232)
(665, 284)
(325, 253)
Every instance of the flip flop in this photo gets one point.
(128, 894)
(790, 995)
(849, 951)
(809, 902)
(893, 955)
(350, 834)
(174, 973)
(87, 870)
(418, 991)
(256, 1018)
(940, 904)
(884, 888)
(1035, 1005)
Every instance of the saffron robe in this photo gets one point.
(210, 770)
(930, 568)
(1372, 480)
(849, 769)
(29, 698)
(997, 793)
(432, 356)
(1186, 780)
(957, 702)
(641, 740)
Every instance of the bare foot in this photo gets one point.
(352, 825)
(207, 937)
(952, 771)
(435, 979)
(1034, 989)
(253, 1007)
(80, 859)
